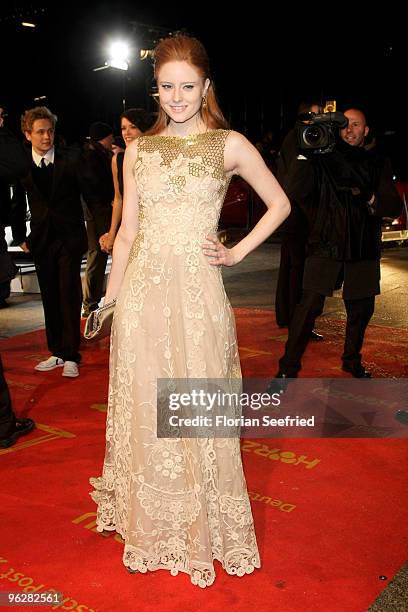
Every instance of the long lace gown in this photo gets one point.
(178, 503)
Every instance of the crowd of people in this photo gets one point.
(180, 504)
(63, 186)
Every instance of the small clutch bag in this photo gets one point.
(99, 323)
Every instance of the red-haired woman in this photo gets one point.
(178, 502)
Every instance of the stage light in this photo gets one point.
(119, 55)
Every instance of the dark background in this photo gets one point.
(265, 60)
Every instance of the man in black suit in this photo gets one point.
(58, 238)
(345, 194)
(13, 165)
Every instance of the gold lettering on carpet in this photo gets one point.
(27, 584)
(277, 503)
(277, 454)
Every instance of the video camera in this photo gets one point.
(316, 133)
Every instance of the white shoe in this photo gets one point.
(49, 364)
(70, 369)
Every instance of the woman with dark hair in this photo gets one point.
(133, 122)
(179, 503)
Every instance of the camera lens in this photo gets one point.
(318, 136)
(314, 135)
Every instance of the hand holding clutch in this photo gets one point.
(99, 323)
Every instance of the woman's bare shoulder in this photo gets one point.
(238, 151)
(132, 149)
(236, 139)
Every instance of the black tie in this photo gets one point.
(43, 164)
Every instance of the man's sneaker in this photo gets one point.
(70, 369)
(49, 364)
(21, 428)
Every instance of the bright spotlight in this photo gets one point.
(119, 55)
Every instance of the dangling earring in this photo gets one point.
(204, 102)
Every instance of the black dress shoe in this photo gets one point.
(279, 383)
(357, 371)
(22, 427)
(402, 416)
(316, 337)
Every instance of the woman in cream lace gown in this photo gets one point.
(178, 503)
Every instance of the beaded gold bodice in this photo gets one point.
(181, 184)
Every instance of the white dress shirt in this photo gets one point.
(48, 157)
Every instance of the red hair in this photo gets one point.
(182, 48)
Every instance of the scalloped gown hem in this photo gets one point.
(137, 561)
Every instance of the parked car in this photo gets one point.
(236, 208)
(396, 230)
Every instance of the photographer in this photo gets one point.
(293, 231)
(345, 190)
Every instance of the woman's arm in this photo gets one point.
(128, 228)
(242, 158)
(106, 241)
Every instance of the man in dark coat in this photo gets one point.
(58, 238)
(13, 165)
(7, 267)
(293, 233)
(346, 192)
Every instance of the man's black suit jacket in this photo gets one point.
(60, 216)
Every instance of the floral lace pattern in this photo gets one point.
(178, 503)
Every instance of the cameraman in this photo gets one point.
(293, 232)
(344, 193)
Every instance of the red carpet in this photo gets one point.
(330, 514)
